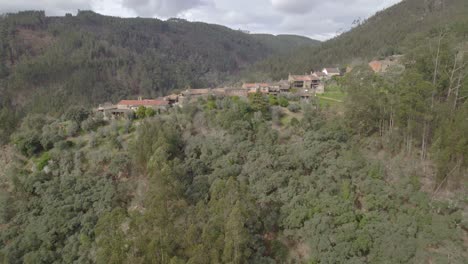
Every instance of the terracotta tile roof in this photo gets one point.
(143, 102)
(376, 66)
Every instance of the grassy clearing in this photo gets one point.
(333, 96)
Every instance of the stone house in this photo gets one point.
(310, 83)
(127, 107)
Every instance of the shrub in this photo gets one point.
(211, 104)
(294, 108)
(127, 126)
(283, 102)
(149, 112)
(276, 115)
(28, 143)
(272, 100)
(28, 139)
(92, 123)
(141, 112)
(51, 134)
(77, 114)
(72, 129)
(93, 142)
(294, 122)
(43, 161)
(64, 144)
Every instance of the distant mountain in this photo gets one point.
(50, 63)
(394, 30)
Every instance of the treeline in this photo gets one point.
(214, 183)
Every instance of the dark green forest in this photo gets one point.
(379, 177)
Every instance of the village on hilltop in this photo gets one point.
(303, 86)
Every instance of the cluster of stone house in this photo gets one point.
(304, 86)
(127, 107)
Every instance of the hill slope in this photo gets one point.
(394, 30)
(90, 58)
(285, 43)
(214, 182)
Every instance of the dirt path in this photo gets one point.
(331, 99)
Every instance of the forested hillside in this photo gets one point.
(221, 181)
(379, 176)
(49, 63)
(282, 44)
(396, 30)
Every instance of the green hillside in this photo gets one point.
(48, 63)
(395, 30)
(285, 43)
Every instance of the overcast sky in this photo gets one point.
(319, 19)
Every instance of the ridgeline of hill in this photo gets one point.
(395, 30)
(49, 63)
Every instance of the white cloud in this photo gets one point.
(52, 7)
(162, 8)
(294, 6)
(320, 19)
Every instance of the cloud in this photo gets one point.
(52, 7)
(320, 19)
(161, 8)
(293, 6)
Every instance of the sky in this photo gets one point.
(317, 19)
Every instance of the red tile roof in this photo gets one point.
(376, 66)
(143, 102)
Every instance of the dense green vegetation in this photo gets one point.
(50, 63)
(214, 183)
(396, 30)
(285, 43)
